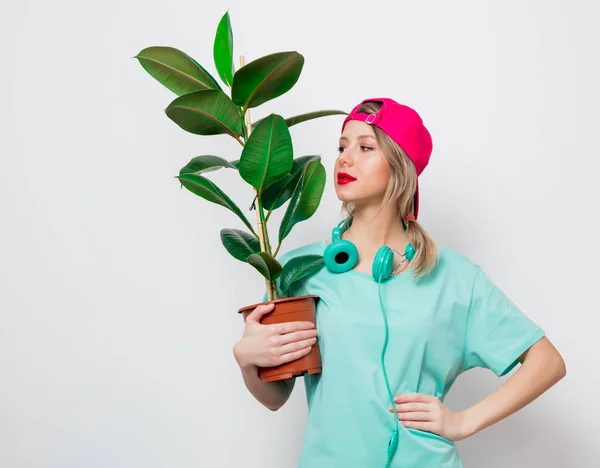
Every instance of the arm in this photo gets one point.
(541, 367)
(496, 333)
(273, 395)
(271, 345)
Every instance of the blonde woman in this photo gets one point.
(398, 319)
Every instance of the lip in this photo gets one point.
(344, 178)
(343, 181)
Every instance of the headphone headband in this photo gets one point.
(343, 225)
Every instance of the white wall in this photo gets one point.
(118, 302)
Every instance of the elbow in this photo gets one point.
(548, 360)
(557, 368)
(273, 407)
(559, 365)
(561, 369)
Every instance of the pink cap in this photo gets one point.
(403, 125)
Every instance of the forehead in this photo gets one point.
(355, 129)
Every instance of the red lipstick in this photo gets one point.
(344, 178)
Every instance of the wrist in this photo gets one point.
(244, 365)
(470, 425)
(248, 368)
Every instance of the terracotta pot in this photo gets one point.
(290, 309)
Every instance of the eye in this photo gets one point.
(364, 148)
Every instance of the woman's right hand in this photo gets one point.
(273, 344)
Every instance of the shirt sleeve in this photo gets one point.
(497, 331)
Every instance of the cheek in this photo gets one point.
(378, 169)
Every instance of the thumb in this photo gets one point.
(258, 312)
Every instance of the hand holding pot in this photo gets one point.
(274, 344)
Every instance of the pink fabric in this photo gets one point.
(405, 127)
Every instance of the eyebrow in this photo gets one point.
(359, 137)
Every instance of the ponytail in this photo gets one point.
(426, 251)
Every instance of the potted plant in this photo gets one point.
(266, 162)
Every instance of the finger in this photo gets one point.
(297, 346)
(415, 416)
(280, 340)
(410, 407)
(421, 425)
(259, 311)
(288, 327)
(419, 397)
(295, 355)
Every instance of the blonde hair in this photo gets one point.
(401, 190)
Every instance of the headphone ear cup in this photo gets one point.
(383, 264)
(340, 256)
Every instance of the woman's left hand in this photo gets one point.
(428, 413)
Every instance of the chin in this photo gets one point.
(344, 195)
(359, 198)
(349, 197)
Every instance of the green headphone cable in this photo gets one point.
(393, 442)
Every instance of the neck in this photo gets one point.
(370, 230)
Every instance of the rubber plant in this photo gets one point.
(266, 162)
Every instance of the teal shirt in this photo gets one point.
(450, 321)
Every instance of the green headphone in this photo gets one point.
(342, 255)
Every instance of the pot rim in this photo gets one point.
(276, 301)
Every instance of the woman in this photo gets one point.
(435, 316)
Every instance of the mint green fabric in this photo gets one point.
(450, 321)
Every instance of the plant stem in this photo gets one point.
(269, 240)
(265, 233)
(263, 237)
(244, 133)
(276, 294)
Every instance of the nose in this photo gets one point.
(346, 157)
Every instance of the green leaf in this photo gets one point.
(308, 116)
(268, 154)
(205, 163)
(282, 190)
(175, 70)
(306, 198)
(235, 163)
(208, 112)
(206, 189)
(298, 268)
(312, 115)
(240, 244)
(266, 78)
(223, 50)
(266, 265)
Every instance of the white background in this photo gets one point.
(118, 301)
